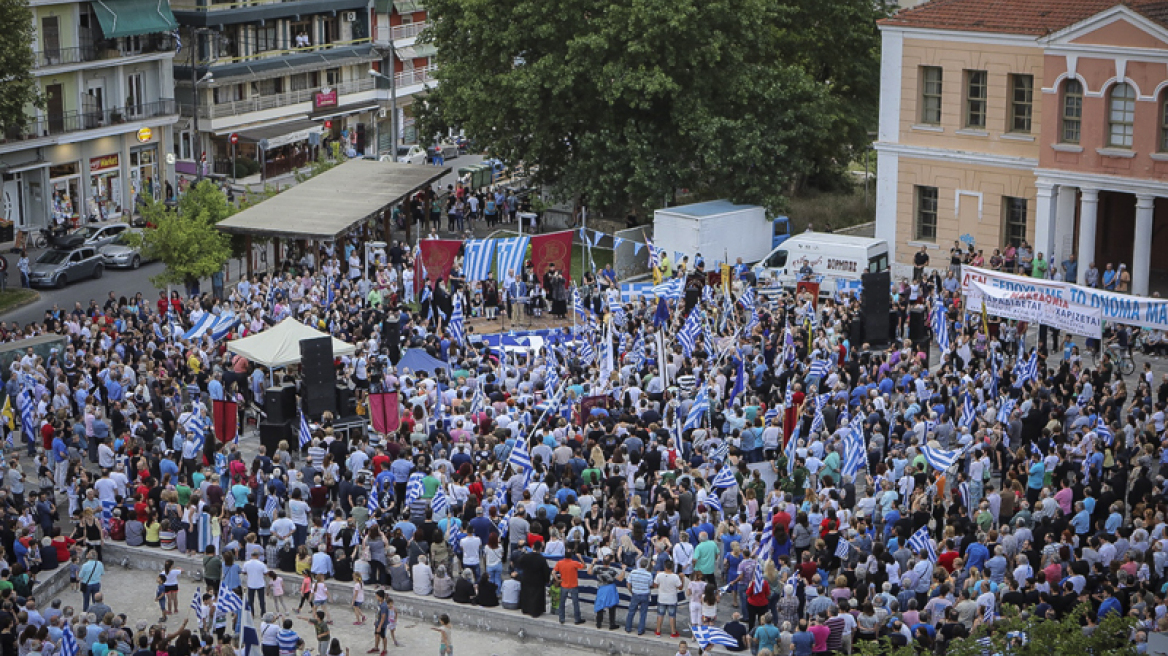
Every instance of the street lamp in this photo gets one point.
(392, 110)
(195, 81)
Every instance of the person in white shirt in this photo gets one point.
(471, 547)
(255, 571)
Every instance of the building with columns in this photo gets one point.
(1042, 121)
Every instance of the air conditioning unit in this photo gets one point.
(383, 113)
(350, 16)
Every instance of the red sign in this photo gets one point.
(234, 138)
(383, 410)
(328, 125)
(553, 247)
(103, 163)
(438, 257)
(325, 99)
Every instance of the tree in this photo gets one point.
(626, 101)
(16, 64)
(185, 239)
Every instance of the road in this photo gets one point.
(127, 283)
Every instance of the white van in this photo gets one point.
(831, 257)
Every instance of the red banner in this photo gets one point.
(553, 247)
(383, 410)
(437, 258)
(224, 414)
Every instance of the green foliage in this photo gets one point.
(245, 166)
(186, 240)
(16, 63)
(322, 163)
(627, 101)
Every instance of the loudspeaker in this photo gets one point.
(280, 403)
(875, 303)
(346, 403)
(916, 323)
(320, 376)
(274, 432)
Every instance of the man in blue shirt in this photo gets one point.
(1081, 521)
(1110, 604)
(976, 555)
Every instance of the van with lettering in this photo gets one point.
(822, 257)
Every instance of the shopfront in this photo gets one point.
(144, 179)
(65, 191)
(105, 186)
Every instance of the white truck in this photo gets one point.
(720, 230)
(823, 257)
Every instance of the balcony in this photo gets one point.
(201, 13)
(402, 35)
(415, 77)
(54, 125)
(261, 103)
(100, 51)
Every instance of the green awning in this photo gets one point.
(134, 17)
(425, 50)
(382, 6)
(409, 6)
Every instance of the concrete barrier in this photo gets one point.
(546, 630)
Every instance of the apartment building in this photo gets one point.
(100, 143)
(397, 25)
(267, 83)
(1041, 121)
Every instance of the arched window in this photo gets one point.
(1164, 123)
(1072, 111)
(1121, 116)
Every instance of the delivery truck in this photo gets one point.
(822, 257)
(719, 230)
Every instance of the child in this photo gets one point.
(160, 596)
(305, 590)
(446, 646)
(554, 595)
(321, 626)
(335, 649)
(276, 586)
(682, 649)
(320, 597)
(170, 576)
(358, 599)
(386, 621)
(74, 571)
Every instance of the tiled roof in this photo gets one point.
(1034, 17)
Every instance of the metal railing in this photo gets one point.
(400, 32)
(102, 50)
(271, 54)
(194, 5)
(415, 76)
(260, 103)
(51, 125)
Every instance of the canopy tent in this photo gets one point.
(279, 346)
(419, 360)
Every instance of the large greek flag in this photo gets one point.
(922, 541)
(511, 253)
(698, 410)
(457, 330)
(476, 259)
(855, 451)
(941, 459)
(670, 289)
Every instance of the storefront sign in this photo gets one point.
(145, 134)
(102, 163)
(325, 99)
(1038, 307)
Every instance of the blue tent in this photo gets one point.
(419, 360)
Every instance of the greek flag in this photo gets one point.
(27, 423)
(1028, 371)
(758, 580)
(476, 401)
(720, 452)
(587, 353)
(372, 502)
(68, 641)
(708, 294)
(739, 378)
(792, 449)
(712, 503)
(712, 635)
(198, 429)
(1005, 411)
(476, 259)
(771, 413)
(842, 549)
(177, 41)
(229, 602)
(747, 299)
(414, 488)
(688, 335)
(855, 453)
(305, 433)
(941, 459)
(698, 410)
(651, 525)
(922, 541)
(427, 295)
(619, 316)
(1103, 431)
(457, 330)
(725, 478)
(578, 303)
(670, 289)
(197, 605)
(271, 506)
(251, 638)
(817, 421)
(820, 367)
(440, 504)
(511, 253)
(968, 412)
(654, 257)
(940, 325)
(520, 458)
(638, 357)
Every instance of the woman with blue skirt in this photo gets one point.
(607, 597)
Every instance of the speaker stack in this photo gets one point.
(280, 408)
(320, 376)
(875, 302)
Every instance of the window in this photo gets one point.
(298, 82)
(1021, 102)
(976, 93)
(1013, 220)
(266, 38)
(1121, 115)
(931, 95)
(1072, 109)
(926, 219)
(1164, 124)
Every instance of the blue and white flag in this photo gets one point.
(968, 412)
(820, 367)
(940, 325)
(724, 478)
(251, 637)
(698, 410)
(855, 450)
(476, 259)
(842, 549)
(712, 503)
(373, 502)
(922, 541)
(747, 299)
(271, 506)
(739, 379)
(68, 641)
(457, 329)
(229, 602)
(440, 504)
(670, 289)
(197, 605)
(654, 256)
(27, 421)
(520, 457)
(941, 459)
(1103, 432)
(197, 425)
(712, 635)
(792, 449)
(689, 333)
(511, 253)
(1026, 371)
(1006, 410)
(414, 488)
(304, 432)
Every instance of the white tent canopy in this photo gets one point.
(279, 346)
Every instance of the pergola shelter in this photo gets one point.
(329, 205)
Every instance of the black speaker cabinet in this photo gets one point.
(274, 432)
(875, 302)
(320, 376)
(280, 404)
(346, 402)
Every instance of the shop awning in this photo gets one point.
(260, 69)
(344, 110)
(406, 53)
(409, 6)
(281, 134)
(134, 17)
(425, 50)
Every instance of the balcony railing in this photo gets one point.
(400, 32)
(100, 51)
(193, 5)
(260, 103)
(52, 125)
(415, 76)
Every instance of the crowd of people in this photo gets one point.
(760, 456)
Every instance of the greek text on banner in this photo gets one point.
(1037, 307)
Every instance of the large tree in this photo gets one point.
(627, 101)
(186, 239)
(16, 62)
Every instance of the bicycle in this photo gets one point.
(1122, 358)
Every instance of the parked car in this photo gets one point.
(414, 154)
(96, 236)
(449, 149)
(118, 253)
(58, 267)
